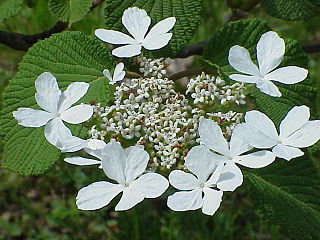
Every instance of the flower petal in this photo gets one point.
(244, 78)
(287, 152)
(182, 180)
(70, 144)
(97, 195)
(211, 201)
(48, 92)
(238, 145)
(137, 22)
(119, 74)
(114, 37)
(230, 178)
(28, 117)
(74, 92)
(80, 161)
(288, 75)
(256, 160)
(127, 51)
(153, 185)
(107, 74)
(54, 130)
(306, 136)
(185, 200)
(270, 51)
(269, 88)
(211, 136)
(294, 120)
(129, 199)
(239, 58)
(157, 42)
(114, 161)
(77, 114)
(160, 28)
(136, 163)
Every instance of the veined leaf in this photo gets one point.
(187, 13)
(70, 57)
(9, 8)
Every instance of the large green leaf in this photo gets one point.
(285, 192)
(70, 57)
(9, 8)
(292, 9)
(187, 13)
(69, 10)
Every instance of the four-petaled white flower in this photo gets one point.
(126, 166)
(270, 52)
(57, 107)
(137, 22)
(295, 132)
(231, 153)
(202, 164)
(118, 74)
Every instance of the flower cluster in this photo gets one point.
(154, 67)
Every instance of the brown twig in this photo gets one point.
(190, 73)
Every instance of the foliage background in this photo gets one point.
(43, 207)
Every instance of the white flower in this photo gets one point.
(126, 166)
(295, 132)
(118, 74)
(137, 22)
(231, 153)
(57, 107)
(202, 164)
(270, 52)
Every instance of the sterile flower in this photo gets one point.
(295, 132)
(118, 74)
(126, 166)
(270, 52)
(57, 107)
(202, 164)
(231, 153)
(137, 22)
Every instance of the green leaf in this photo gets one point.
(69, 10)
(9, 8)
(292, 9)
(187, 13)
(70, 57)
(285, 193)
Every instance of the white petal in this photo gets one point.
(95, 144)
(201, 162)
(114, 161)
(211, 201)
(77, 114)
(114, 37)
(137, 22)
(161, 28)
(129, 199)
(157, 42)
(54, 130)
(97, 195)
(239, 58)
(153, 185)
(244, 78)
(136, 163)
(119, 74)
(182, 180)
(287, 152)
(127, 51)
(306, 136)
(28, 117)
(185, 200)
(238, 144)
(74, 92)
(80, 161)
(48, 92)
(230, 178)
(270, 51)
(294, 120)
(212, 181)
(70, 144)
(211, 136)
(107, 74)
(288, 75)
(256, 160)
(268, 88)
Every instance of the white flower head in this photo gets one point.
(204, 188)
(137, 22)
(270, 52)
(296, 131)
(118, 74)
(57, 108)
(125, 166)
